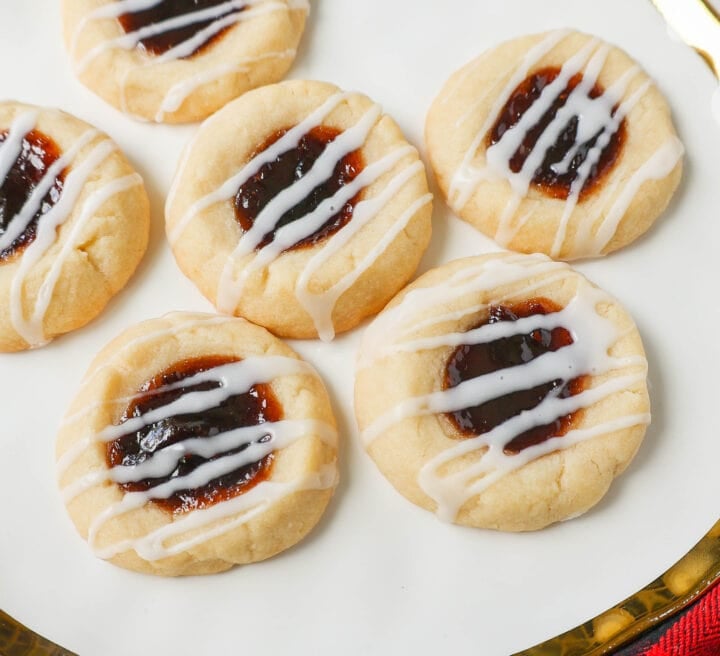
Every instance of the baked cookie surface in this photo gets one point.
(502, 391)
(301, 208)
(180, 60)
(74, 222)
(195, 443)
(555, 143)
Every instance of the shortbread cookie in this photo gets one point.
(300, 207)
(502, 391)
(555, 143)
(196, 442)
(180, 60)
(74, 220)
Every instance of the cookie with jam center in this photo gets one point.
(300, 207)
(196, 442)
(74, 222)
(502, 391)
(556, 143)
(175, 61)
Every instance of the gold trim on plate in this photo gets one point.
(682, 584)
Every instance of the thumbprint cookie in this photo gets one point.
(555, 143)
(74, 221)
(175, 61)
(196, 442)
(301, 208)
(502, 391)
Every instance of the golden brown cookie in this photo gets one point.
(196, 442)
(301, 208)
(180, 60)
(502, 391)
(555, 143)
(74, 220)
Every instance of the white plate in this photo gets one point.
(380, 576)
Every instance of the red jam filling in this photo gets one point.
(288, 168)
(166, 10)
(552, 180)
(471, 361)
(37, 154)
(256, 406)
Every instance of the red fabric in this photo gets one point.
(693, 632)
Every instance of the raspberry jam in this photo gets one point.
(553, 179)
(471, 361)
(253, 407)
(38, 152)
(288, 168)
(163, 40)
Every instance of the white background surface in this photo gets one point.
(379, 576)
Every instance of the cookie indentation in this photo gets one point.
(172, 22)
(472, 361)
(253, 407)
(287, 169)
(588, 126)
(25, 180)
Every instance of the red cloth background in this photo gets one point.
(693, 632)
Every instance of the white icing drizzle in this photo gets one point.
(240, 11)
(291, 233)
(30, 328)
(466, 178)
(263, 439)
(318, 305)
(595, 115)
(88, 211)
(179, 92)
(588, 354)
(32, 205)
(130, 40)
(252, 503)
(186, 48)
(229, 288)
(383, 336)
(656, 167)
(253, 371)
(163, 333)
(83, 443)
(10, 150)
(591, 113)
(613, 96)
(281, 434)
(229, 188)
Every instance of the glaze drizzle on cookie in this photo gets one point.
(78, 163)
(556, 173)
(168, 23)
(198, 25)
(254, 256)
(403, 327)
(289, 167)
(26, 190)
(252, 407)
(596, 121)
(180, 91)
(470, 361)
(223, 453)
